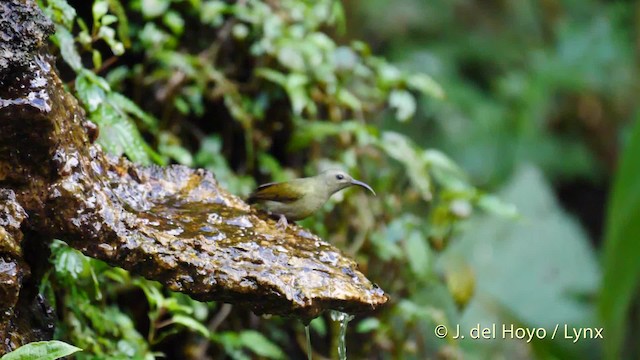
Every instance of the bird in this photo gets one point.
(299, 198)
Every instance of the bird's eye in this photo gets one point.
(339, 176)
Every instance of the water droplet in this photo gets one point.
(175, 231)
(214, 218)
(306, 234)
(329, 257)
(240, 221)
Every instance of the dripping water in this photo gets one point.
(307, 332)
(344, 319)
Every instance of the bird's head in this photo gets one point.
(337, 180)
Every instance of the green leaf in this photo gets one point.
(338, 17)
(547, 251)
(445, 171)
(389, 75)
(89, 91)
(621, 248)
(495, 205)
(154, 8)
(99, 9)
(174, 21)
(212, 12)
(260, 345)
(319, 326)
(418, 254)
(169, 145)
(123, 23)
(83, 37)
(132, 108)
(401, 148)
(404, 103)
(346, 97)
(240, 31)
(305, 134)
(231, 343)
(68, 48)
(294, 84)
(426, 85)
(291, 58)
(61, 12)
(119, 135)
(42, 350)
(272, 75)
(109, 19)
(385, 249)
(109, 36)
(296, 88)
(270, 165)
(150, 289)
(71, 263)
(153, 38)
(387, 241)
(410, 310)
(97, 58)
(345, 58)
(192, 324)
(367, 325)
(110, 110)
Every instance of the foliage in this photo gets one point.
(44, 350)
(261, 91)
(81, 289)
(525, 82)
(620, 266)
(114, 113)
(548, 84)
(86, 292)
(545, 250)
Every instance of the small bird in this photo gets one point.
(299, 198)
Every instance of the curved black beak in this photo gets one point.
(364, 185)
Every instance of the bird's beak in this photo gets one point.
(360, 183)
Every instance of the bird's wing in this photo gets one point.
(280, 192)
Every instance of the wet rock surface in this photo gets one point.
(24, 315)
(175, 224)
(23, 29)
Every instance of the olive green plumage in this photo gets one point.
(300, 198)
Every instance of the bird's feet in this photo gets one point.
(282, 223)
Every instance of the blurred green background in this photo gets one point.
(499, 136)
